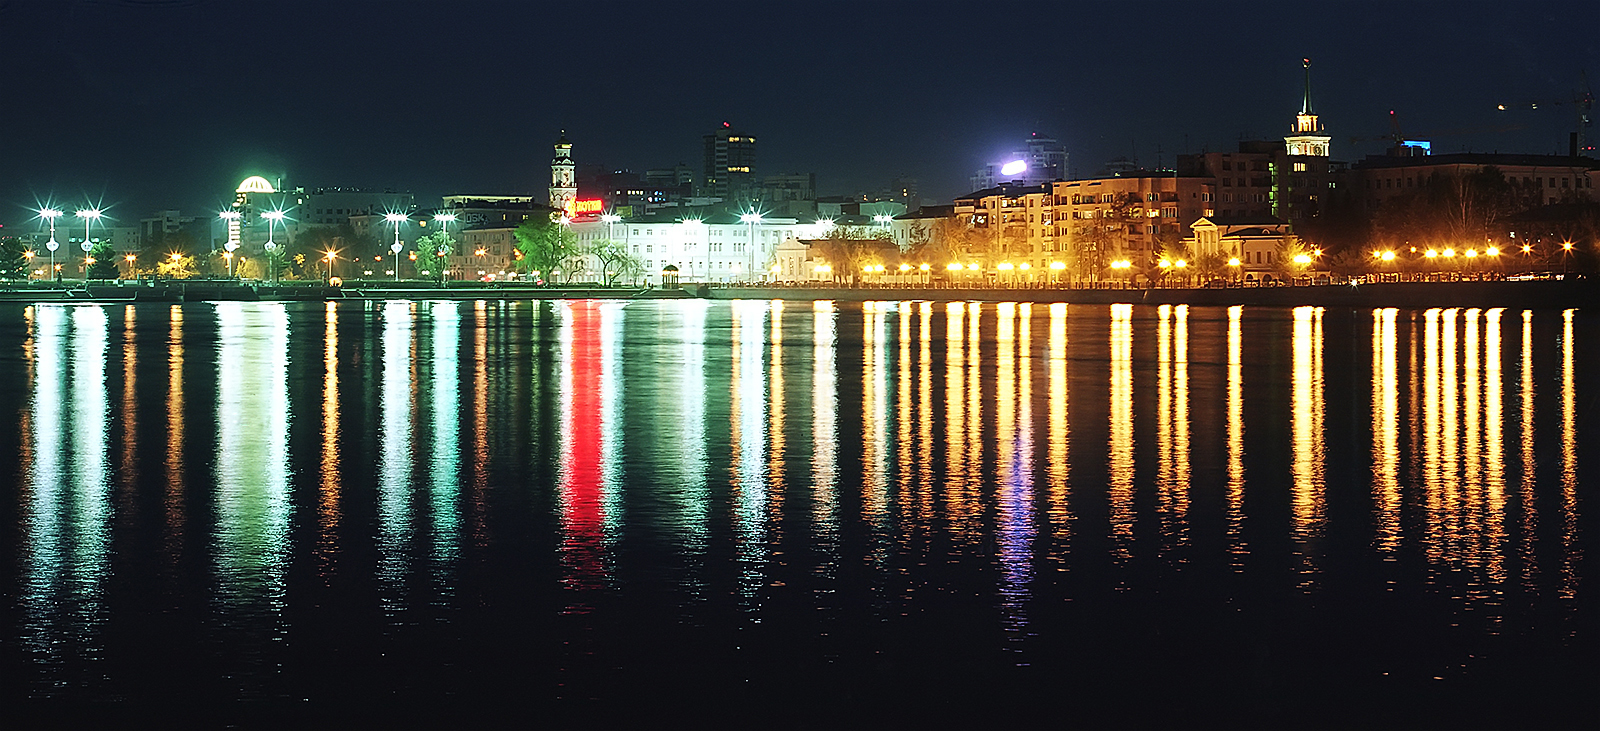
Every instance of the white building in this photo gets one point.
(717, 248)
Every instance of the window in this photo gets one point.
(1299, 167)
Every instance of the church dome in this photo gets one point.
(255, 184)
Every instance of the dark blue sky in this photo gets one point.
(169, 103)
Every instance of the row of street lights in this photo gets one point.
(89, 216)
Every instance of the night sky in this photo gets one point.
(147, 104)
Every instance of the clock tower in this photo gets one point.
(1308, 138)
(563, 181)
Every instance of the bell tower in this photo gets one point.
(1308, 137)
(563, 181)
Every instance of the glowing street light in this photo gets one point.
(751, 219)
(328, 257)
(50, 215)
(89, 216)
(29, 256)
(130, 258)
(273, 218)
(395, 219)
(232, 244)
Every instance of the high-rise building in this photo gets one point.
(1040, 160)
(563, 176)
(730, 163)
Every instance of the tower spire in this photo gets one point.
(1305, 106)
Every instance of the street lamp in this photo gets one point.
(232, 244)
(89, 216)
(751, 219)
(51, 214)
(395, 219)
(273, 218)
(328, 257)
(29, 256)
(130, 258)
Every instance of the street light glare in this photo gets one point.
(445, 217)
(273, 215)
(50, 213)
(395, 217)
(88, 213)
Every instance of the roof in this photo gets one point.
(1007, 190)
(1478, 158)
(1241, 221)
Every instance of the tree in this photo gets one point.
(546, 246)
(1293, 256)
(848, 248)
(105, 262)
(13, 258)
(176, 267)
(436, 248)
(614, 260)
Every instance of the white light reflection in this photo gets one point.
(444, 458)
(692, 494)
(875, 420)
(749, 418)
(66, 516)
(825, 444)
(395, 404)
(252, 534)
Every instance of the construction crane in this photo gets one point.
(1400, 140)
(1582, 102)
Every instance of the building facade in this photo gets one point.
(729, 166)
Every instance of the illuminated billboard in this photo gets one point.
(585, 208)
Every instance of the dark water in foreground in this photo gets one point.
(683, 513)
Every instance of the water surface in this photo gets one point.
(762, 514)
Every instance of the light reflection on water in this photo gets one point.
(791, 465)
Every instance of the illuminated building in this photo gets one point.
(705, 246)
(730, 163)
(1255, 241)
(1000, 219)
(1123, 217)
(1292, 180)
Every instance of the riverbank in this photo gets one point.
(1572, 291)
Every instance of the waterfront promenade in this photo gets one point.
(1570, 291)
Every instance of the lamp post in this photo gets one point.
(751, 219)
(395, 219)
(232, 244)
(273, 217)
(51, 214)
(29, 256)
(328, 257)
(131, 258)
(444, 219)
(89, 216)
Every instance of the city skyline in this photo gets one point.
(174, 102)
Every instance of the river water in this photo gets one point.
(780, 514)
